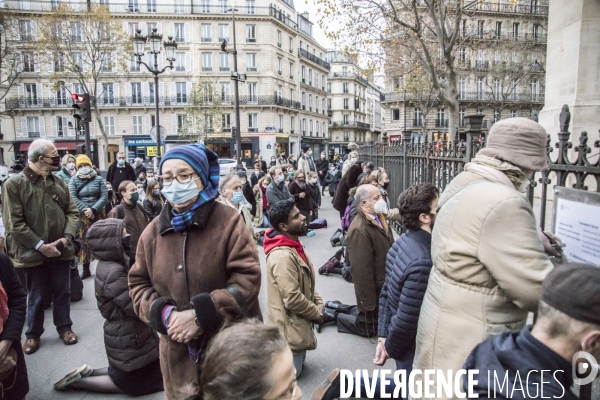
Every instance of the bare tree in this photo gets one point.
(85, 45)
(387, 31)
(11, 61)
(421, 93)
(204, 111)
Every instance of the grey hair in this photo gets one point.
(361, 194)
(38, 148)
(137, 159)
(225, 181)
(120, 152)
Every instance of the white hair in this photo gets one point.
(361, 194)
(38, 148)
(226, 181)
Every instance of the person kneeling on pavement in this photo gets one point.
(293, 304)
(543, 355)
(131, 345)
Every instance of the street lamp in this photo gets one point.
(236, 77)
(139, 45)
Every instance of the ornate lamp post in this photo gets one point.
(139, 45)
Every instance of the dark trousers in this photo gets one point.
(323, 183)
(43, 281)
(358, 323)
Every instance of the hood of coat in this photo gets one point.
(275, 239)
(494, 166)
(104, 240)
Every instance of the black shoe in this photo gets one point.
(330, 389)
(327, 318)
(86, 271)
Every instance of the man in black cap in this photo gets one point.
(306, 163)
(367, 170)
(541, 356)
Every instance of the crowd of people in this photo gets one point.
(178, 273)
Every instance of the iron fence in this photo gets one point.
(438, 162)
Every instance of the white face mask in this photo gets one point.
(243, 181)
(313, 181)
(380, 207)
(353, 160)
(70, 166)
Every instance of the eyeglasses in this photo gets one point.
(181, 178)
(295, 388)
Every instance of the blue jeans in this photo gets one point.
(51, 279)
(299, 358)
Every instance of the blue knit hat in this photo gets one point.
(203, 160)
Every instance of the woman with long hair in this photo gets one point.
(112, 198)
(153, 204)
(299, 189)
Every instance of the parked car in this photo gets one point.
(226, 164)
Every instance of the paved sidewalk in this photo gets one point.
(53, 360)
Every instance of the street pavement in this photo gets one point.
(334, 350)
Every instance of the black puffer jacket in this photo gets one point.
(130, 343)
(408, 264)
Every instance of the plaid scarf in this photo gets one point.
(184, 220)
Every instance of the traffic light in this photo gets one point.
(81, 107)
(80, 149)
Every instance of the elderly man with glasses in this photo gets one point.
(40, 218)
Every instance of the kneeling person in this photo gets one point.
(293, 304)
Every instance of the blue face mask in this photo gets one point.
(121, 162)
(84, 170)
(237, 197)
(178, 193)
(281, 178)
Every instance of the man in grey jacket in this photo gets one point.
(277, 190)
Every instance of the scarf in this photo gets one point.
(499, 171)
(301, 185)
(185, 220)
(91, 175)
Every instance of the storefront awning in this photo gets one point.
(61, 146)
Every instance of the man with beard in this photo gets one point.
(293, 304)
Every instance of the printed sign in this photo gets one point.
(577, 224)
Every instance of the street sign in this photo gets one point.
(163, 134)
(151, 151)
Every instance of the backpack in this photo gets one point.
(345, 221)
(318, 224)
(121, 212)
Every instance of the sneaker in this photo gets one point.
(76, 374)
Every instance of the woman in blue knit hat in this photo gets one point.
(196, 267)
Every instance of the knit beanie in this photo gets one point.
(520, 141)
(203, 160)
(82, 159)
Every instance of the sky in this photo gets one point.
(302, 6)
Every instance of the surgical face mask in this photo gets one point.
(322, 156)
(237, 197)
(243, 181)
(353, 160)
(256, 172)
(385, 185)
(291, 175)
(313, 180)
(150, 179)
(156, 192)
(84, 170)
(178, 193)
(70, 166)
(281, 178)
(309, 153)
(55, 161)
(140, 191)
(265, 185)
(273, 159)
(121, 162)
(135, 196)
(380, 207)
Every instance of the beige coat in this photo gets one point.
(243, 212)
(292, 302)
(258, 196)
(489, 264)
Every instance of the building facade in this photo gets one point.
(275, 49)
(501, 67)
(354, 104)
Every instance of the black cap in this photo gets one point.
(370, 166)
(305, 148)
(241, 173)
(574, 289)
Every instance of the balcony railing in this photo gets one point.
(204, 69)
(442, 123)
(33, 134)
(224, 38)
(251, 69)
(252, 129)
(144, 101)
(223, 69)
(313, 58)
(207, 39)
(349, 124)
(348, 76)
(496, 7)
(506, 36)
(518, 97)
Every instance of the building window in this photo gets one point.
(179, 7)
(498, 89)
(344, 71)
(252, 92)
(346, 136)
(535, 90)
(346, 104)
(480, 29)
(292, 125)
(179, 33)
(33, 127)
(225, 92)
(226, 122)
(28, 62)
(206, 34)
(61, 126)
(223, 6)
(513, 113)
(346, 119)
(136, 93)
(515, 31)
(151, 5)
(224, 61)
(205, 6)
(223, 32)
(329, 88)
(76, 32)
(345, 88)
(206, 61)
(181, 92)
(441, 118)
(291, 71)
(251, 33)
(250, 6)
(253, 122)
(395, 114)
(497, 115)
(291, 45)
(179, 61)
(108, 93)
(59, 65)
(137, 125)
(181, 126)
(479, 88)
(498, 30)
(61, 97)
(25, 26)
(279, 39)
(109, 124)
(418, 119)
(461, 117)
(280, 123)
(303, 74)
(462, 89)
(279, 66)
(251, 62)
(78, 61)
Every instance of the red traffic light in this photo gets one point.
(77, 97)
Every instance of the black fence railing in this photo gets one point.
(483, 96)
(439, 162)
(349, 124)
(313, 58)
